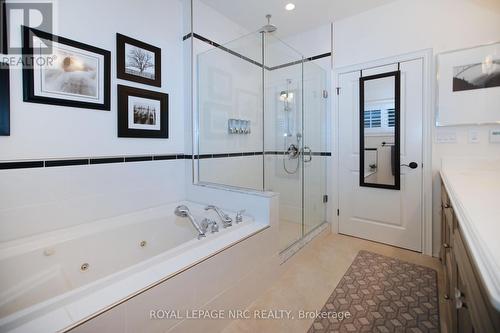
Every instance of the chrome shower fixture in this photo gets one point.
(268, 27)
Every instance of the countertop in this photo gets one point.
(473, 186)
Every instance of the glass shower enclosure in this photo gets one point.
(260, 124)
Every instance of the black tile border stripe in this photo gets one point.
(21, 165)
(166, 157)
(318, 153)
(217, 45)
(60, 163)
(138, 158)
(316, 57)
(223, 48)
(128, 159)
(107, 160)
(86, 161)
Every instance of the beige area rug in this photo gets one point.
(382, 294)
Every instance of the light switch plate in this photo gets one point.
(495, 135)
(474, 136)
(446, 137)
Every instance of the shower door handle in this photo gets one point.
(308, 151)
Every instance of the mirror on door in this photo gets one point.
(380, 130)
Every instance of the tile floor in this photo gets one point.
(310, 277)
(289, 233)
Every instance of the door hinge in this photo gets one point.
(338, 90)
(338, 212)
(325, 198)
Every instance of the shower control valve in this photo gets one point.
(208, 223)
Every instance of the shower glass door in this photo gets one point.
(283, 98)
(261, 125)
(315, 146)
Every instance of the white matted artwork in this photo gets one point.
(61, 71)
(144, 113)
(469, 86)
(73, 74)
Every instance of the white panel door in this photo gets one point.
(389, 216)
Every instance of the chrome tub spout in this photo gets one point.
(183, 211)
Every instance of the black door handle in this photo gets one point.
(412, 165)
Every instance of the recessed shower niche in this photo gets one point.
(260, 124)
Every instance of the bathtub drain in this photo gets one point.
(143, 243)
(84, 267)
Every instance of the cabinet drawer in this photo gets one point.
(473, 297)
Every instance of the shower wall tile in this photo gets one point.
(244, 171)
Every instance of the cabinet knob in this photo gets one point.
(446, 296)
(446, 245)
(446, 205)
(459, 299)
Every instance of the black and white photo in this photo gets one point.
(477, 76)
(468, 85)
(138, 61)
(142, 113)
(75, 74)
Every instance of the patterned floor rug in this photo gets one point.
(382, 294)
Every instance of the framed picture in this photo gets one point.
(3, 27)
(137, 61)
(469, 86)
(4, 100)
(73, 74)
(142, 113)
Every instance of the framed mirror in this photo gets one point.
(379, 128)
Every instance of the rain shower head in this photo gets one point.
(268, 27)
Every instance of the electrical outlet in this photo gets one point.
(474, 136)
(495, 135)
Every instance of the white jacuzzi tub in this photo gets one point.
(51, 281)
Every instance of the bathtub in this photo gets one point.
(52, 281)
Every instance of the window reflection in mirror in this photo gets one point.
(379, 130)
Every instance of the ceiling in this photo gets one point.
(308, 14)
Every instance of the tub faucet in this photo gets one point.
(226, 220)
(183, 211)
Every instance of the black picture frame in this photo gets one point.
(3, 27)
(121, 72)
(29, 78)
(124, 92)
(4, 100)
(397, 130)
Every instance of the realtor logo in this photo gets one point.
(18, 13)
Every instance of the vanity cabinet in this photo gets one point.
(467, 306)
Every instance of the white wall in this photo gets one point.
(37, 200)
(43, 131)
(409, 25)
